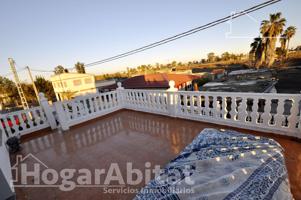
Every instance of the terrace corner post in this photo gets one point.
(61, 115)
(47, 110)
(120, 95)
(172, 99)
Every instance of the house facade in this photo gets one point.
(69, 85)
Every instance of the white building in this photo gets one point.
(69, 85)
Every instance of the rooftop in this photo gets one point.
(289, 80)
(125, 136)
(260, 85)
(159, 80)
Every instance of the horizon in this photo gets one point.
(62, 33)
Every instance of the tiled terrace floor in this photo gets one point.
(121, 137)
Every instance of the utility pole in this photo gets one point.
(33, 84)
(18, 84)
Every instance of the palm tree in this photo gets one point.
(283, 40)
(270, 30)
(281, 51)
(289, 32)
(258, 51)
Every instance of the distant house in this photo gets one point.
(158, 81)
(201, 70)
(4, 99)
(217, 73)
(259, 81)
(69, 85)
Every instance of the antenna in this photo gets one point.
(18, 83)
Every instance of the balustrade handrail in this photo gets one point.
(267, 112)
(270, 112)
(221, 93)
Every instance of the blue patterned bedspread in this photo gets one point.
(223, 164)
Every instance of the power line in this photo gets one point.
(10, 73)
(38, 70)
(7, 74)
(186, 33)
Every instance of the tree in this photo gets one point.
(225, 56)
(285, 39)
(67, 95)
(8, 91)
(257, 51)
(280, 52)
(289, 33)
(80, 68)
(45, 86)
(270, 30)
(29, 93)
(173, 64)
(211, 57)
(60, 69)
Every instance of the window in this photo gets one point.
(77, 82)
(88, 80)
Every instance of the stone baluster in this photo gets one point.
(279, 117)
(293, 117)
(207, 103)
(6, 125)
(62, 116)
(191, 99)
(29, 118)
(214, 107)
(185, 104)
(224, 107)
(254, 112)
(266, 115)
(22, 124)
(35, 116)
(198, 106)
(242, 110)
(233, 111)
(14, 125)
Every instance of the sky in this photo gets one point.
(43, 34)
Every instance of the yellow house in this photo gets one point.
(69, 85)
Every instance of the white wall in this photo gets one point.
(5, 161)
(76, 83)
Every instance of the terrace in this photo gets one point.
(96, 130)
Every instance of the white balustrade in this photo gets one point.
(24, 121)
(275, 113)
(266, 112)
(84, 108)
(244, 110)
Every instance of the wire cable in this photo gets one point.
(10, 73)
(184, 34)
(7, 74)
(38, 70)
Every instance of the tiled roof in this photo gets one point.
(160, 80)
(218, 71)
